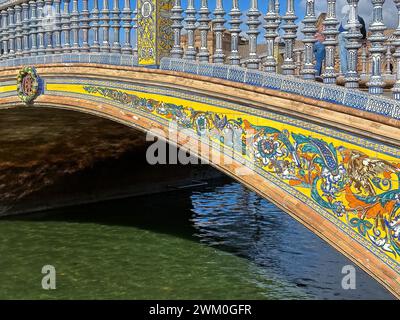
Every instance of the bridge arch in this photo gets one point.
(301, 153)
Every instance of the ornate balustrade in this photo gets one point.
(67, 31)
(102, 31)
(325, 92)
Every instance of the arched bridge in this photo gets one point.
(327, 155)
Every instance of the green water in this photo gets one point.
(220, 242)
(114, 259)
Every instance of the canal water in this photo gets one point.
(219, 241)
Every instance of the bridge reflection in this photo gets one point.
(234, 219)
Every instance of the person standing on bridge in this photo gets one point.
(319, 47)
(342, 37)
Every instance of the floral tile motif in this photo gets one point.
(356, 188)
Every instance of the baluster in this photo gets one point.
(48, 26)
(190, 52)
(57, 26)
(4, 34)
(277, 8)
(388, 59)
(289, 38)
(364, 61)
(331, 31)
(271, 33)
(41, 48)
(33, 28)
(396, 43)
(116, 47)
(377, 39)
(66, 27)
(353, 44)
(253, 23)
(204, 27)
(105, 18)
(11, 33)
(126, 18)
(94, 18)
(309, 40)
(84, 18)
(219, 29)
(1, 39)
(75, 26)
(235, 23)
(278, 21)
(177, 18)
(135, 27)
(18, 31)
(297, 59)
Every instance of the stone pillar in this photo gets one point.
(94, 18)
(75, 26)
(116, 47)
(331, 31)
(377, 39)
(396, 43)
(271, 33)
(105, 18)
(177, 18)
(235, 23)
(154, 19)
(309, 40)
(135, 27)
(18, 30)
(219, 29)
(33, 28)
(1, 39)
(66, 27)
(57, 25)
(253, 23)
(277, 7)
(4, 33)
(388, 59)
(353, 44)
(11, 33)
(85, 26)
(190, 52)
(48, 25)
(204, 27)
(126, 19)
(289, 38)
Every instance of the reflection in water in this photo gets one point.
(214, 243)
(237, 220)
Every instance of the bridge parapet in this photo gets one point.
(103, 30)
(330, 93)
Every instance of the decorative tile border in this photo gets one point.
(235, 108)
(327, 186)
(330, 93)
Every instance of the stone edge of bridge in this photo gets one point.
(325, 92)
